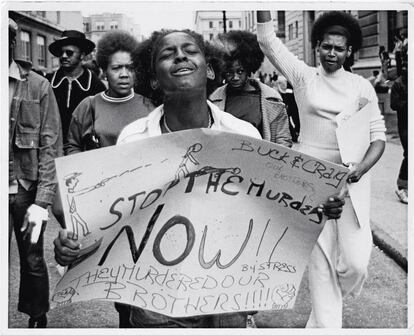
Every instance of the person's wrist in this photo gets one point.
(41, 204)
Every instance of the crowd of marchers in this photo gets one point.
(173, 81)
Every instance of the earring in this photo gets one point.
(210, 74)
(154, 84)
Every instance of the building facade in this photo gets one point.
(211, 23)
(98, 24)
(378, 29)
(38, 29)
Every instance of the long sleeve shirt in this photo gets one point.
(35, 134)
(321, 96)
(111, 116)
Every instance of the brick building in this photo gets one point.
(38, 29)
(378, 28)
(96, 25)
(210, 23)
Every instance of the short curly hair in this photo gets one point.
(215, 58)
(112, 42)
(244, 48)
(144, 59)
(352, 30)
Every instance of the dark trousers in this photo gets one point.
(141, 318)
(403, 133)
(34, 280)
(398, 62)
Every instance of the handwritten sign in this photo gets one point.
(194, 222)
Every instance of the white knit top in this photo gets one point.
(320, 97)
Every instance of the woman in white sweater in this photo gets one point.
(327, 97)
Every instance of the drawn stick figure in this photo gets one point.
(188, 158)
(71, 181)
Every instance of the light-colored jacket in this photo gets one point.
(35, 133)
(150, 125)
(275, 124)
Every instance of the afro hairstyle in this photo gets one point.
(338, 18)
(215, 58)
(112, 42)
(242, 46)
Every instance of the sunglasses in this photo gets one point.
(69, 53)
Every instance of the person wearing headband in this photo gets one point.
(328, 96)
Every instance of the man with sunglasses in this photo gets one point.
(72, 82)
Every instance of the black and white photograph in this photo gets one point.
(206, 166)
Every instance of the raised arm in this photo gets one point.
(277, 53)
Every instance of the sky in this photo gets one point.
(156, 14)
(151, 18)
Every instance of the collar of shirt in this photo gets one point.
(83, 80)
(340, 72)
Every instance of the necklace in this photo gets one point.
(164, 122)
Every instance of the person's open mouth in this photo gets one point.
(183, 71)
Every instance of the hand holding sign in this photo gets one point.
(194, 222)
(66, 248)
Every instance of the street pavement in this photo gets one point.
(382, 303)
(388, 214)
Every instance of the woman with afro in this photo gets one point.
(246, 98)
(98, 120)
(104, 115)
(328, 97)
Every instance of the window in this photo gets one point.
(210, 37)
(230, 24)
(281, 24)
(114, 25)
(100, 25)
(290, 31)
(26, 53)
(239, 23)
(41, 50)
(210, 24)
(296, 29)
(87, 27)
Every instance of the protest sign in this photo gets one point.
(194, 222)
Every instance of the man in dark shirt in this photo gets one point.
(72, 82)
